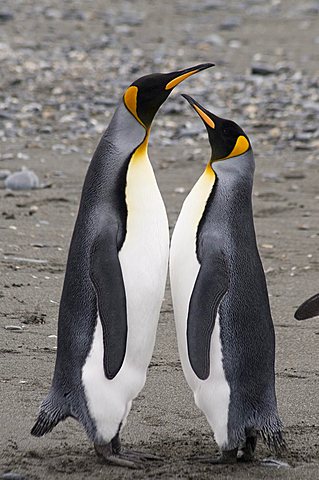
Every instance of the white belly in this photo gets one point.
(211, 395)
(143, 258)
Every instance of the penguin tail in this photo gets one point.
(52, 411)
(274, 440)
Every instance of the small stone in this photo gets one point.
(13, 328)
(230, 23)
(304, 226)
(275, 132)
(235, 44)
(12, 476)
(6, 16)
(215, 40)
(33, 209)
(46, 129)
(294, 174)
(23, 180)
(262, 69)
(22, 156)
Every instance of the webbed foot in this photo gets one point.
(226, 457)
(113, 453)
(246, 453)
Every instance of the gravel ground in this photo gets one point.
(63, 68)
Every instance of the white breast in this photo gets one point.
(143, 258)
(211, 395)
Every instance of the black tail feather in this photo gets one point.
(274, 440)
(52, 411)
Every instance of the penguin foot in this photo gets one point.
(246, 453)
(227, 457)
(115, 458)
(113, 453)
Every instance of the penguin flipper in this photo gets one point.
(308, 309)
(107, 278)
(210, 287)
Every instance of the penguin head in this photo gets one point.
(226, 138)
(144, 97)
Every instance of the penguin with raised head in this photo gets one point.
(115, 278)
(308, 309)
(224, 327)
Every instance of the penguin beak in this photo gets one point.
(178, 77)
(208, 118)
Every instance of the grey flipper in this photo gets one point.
(308, 309)
(210, 287)
(106, 275)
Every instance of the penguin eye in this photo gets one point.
(226, 131)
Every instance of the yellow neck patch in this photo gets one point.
(205, 117)
(179, 79)
(241, 146)
(130, 101)
(209, 172)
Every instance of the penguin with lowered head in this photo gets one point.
(224, 326)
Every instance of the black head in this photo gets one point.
(226, 138)
(145, 96)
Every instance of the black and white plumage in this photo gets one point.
(223, 320)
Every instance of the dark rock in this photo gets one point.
(230, 23)
(6, 16)
(262, 69)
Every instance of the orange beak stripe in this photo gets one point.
(204, 116)
(179, 79)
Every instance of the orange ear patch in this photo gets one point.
(241, 146)
(179, 79)
(205, 117)
(130, 101)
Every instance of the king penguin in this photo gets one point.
(224, 326)
(115, 278)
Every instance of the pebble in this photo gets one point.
(294, 174)
(23, 180)
(13, 328)
(33, 209)
(25, 260)
(267, 246)
(262, 69)
(179, 190)
(215, 40)
(230, 23)
(304, 226)
(6, 16)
